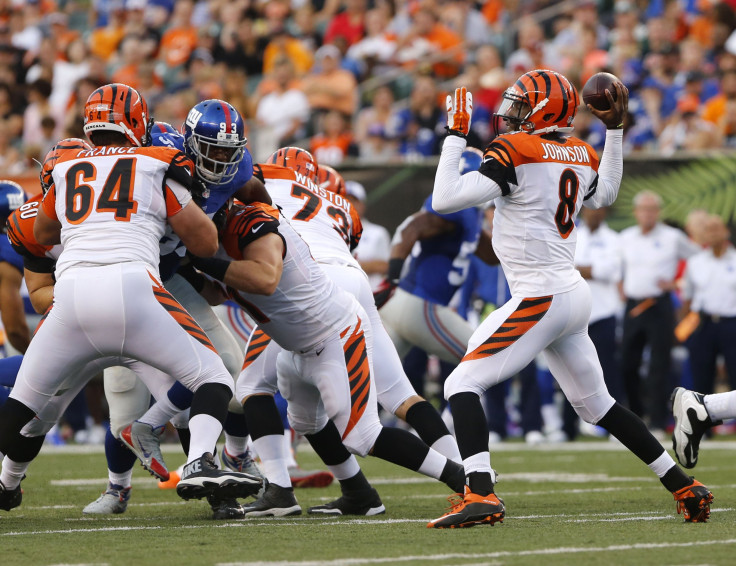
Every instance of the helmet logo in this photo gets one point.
(193, 117)
(15, 200)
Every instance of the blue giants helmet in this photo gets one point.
(12, 196)
(164, 134)
(214, 137)
(470, 160)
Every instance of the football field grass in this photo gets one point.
(585, 503)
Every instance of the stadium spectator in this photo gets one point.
(328, 87)
(533, 52)
(650, 252)
(463, 18)
(428, 42)
(282, 43)
(421, 126)
(375, 51)
(38, 108)
(350, 23)
(687, 131)
(334, 142)
(180, 39)
(375, 128)
(721, 109)
(282, 114)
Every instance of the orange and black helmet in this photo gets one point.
(539, 102)
(119, 108)
(296, 159)
(329, 179)
(53, 155)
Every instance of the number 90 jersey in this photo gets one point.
(325, 220)
(544, 181)
(113, 202)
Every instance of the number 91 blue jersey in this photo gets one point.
(438, 266)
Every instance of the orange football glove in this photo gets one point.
(459, 111)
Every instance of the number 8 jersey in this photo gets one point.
(544, 181)
(113, 203)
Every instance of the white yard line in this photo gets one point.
(500, 554)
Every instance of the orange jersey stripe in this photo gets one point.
(358, 368)
(258, 342)
(524, 318)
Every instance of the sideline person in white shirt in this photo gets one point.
(650, 252)
(374, 248)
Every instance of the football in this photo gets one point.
(594, 91)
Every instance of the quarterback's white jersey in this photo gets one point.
(327, 221)
(544, 182)
(113, 203)
(306, 307)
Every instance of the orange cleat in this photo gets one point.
(693, 502)
(470, 510)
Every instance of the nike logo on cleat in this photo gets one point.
(318, 352)
(191, 468)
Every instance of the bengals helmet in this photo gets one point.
(329, 179)
(53, 155)
(539, 102)
(296, 159)
(12, 196)
(119, 108)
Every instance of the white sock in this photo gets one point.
(288, 452)
(721, 405)
(122, 479)
(480, 462)
(662, 465)
(273, 460)
(433, 464)
(161, 412)
(12, 472)
(205, 430)
(235, 445)
(447, 446)
(346, 470)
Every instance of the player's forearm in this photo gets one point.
(453, 192)
(610, 171)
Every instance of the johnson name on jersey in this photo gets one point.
(305, 298)
(544, 181)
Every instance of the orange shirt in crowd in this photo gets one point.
(715, 111)
(104, 41)
(331, 150)
(177, 45)
(445, 40)
(334, 91)
(301, 58)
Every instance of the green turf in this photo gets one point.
(564, 506)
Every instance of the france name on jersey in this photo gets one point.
(171, 247)
(438, 265)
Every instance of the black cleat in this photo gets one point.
(693, 502)
(224, 509)
(277, 501)
(201, 478)
(10, 498)
(365, 502)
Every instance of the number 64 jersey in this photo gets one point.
(544, 181)
(113, 202)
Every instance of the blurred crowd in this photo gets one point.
(362, 79)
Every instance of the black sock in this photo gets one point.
(262, 416)
(428, 423)
(357, 483)
(14, 415)
(328, 445)
(471, 429)
(453, 475)
(235, 424)
(675, 479)
(184, 438)
(400, 447)
(632, 432)
(211, 399)
(26, 448)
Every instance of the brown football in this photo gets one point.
(594, 91)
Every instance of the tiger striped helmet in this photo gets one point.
(119, 108)
(540, 101)
(296, 159)
(329, 179)
(53, 155)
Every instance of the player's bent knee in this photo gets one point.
(593, 408)
(304, 425)
(459, 382)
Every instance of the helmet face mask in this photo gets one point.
(214, 137)
(539, 102)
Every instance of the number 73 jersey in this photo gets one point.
(544, 181)
(325, 220)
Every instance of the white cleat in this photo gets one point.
(113, 502)
(691, 422)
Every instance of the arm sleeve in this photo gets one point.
(609, 173)
(176, 195)
(453, 192)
